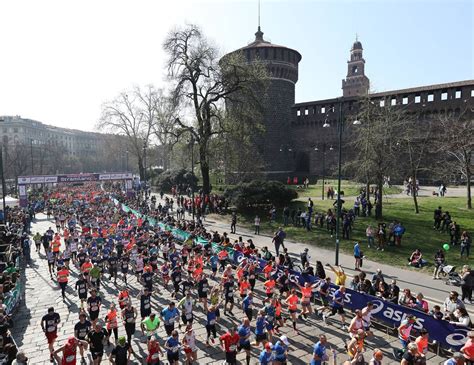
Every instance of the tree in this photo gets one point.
(375, 145)
(133, 114)
(415, 142)
(206, 84)
(456, 141)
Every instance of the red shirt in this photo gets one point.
(230, 341)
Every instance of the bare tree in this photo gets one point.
(375, 145)
(416, 143)
(132, 114)
(206, 84)
(456, 142)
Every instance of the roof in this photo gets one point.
(426, 88)
(259, 42)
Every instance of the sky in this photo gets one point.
(61, 60)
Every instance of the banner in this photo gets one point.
(445, 334)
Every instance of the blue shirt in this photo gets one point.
(279, 350)
(320, 351)
(247, 302)
(169, 315)
(211, 318)
(173, 343)
(243, 332)
(357, 250)
(214, 261)
(338, 298)
(265, 357)
(260, 326)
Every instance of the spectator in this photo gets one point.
(462, 318)
(257, 224)
(422, 342)
(421, 304)
(465, 245)
(378, 277)
(357, 256)
(370, 233)
(467, 284)
(451, 303)
(416, 259)
(439, 260)
(406, 299)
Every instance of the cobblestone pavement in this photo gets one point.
(41, 292)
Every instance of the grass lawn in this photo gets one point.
(419, 229)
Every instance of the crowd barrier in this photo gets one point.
(448, 336)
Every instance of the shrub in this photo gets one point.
(256, 192)
(169, 178)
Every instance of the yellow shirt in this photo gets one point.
(340, 278)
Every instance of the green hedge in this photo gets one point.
(167, 179)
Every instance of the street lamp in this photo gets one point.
(339, 170)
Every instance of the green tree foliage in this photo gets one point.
(169, 178)
(256, 192)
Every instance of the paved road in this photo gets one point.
(41, 292)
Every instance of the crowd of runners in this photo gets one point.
(99, 244)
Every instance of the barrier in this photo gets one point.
(448, 336)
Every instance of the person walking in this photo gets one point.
(357, 256)
(233, 222)
(467, 284)
(257, 224)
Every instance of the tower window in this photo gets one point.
(382, 103)
(298, 113)
(430, 97)
(417, 99)
(355, 69)
(444, 95)
(405, 100)
(323, 109)
(306, 112)
(457, 95)
(472, 93)
(393, 101)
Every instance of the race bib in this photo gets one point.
(51, 329)
(82, 290)
(70, 358)
(130, 320)
(189, 315)
(155, 356)
(171, 320)
(146, 306)
(212, 321)
(94, 308)
(232, 348)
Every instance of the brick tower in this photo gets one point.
(276, 146)
(356, 83)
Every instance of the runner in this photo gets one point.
(229, 341)
(292, 302)
(121, 353)
(111, 323)
(244, 338)
(81, 330)
(186, 304)
(150, 325)
(96, 339)
(63, 276)
(172, 347)
(169, 315)
(69, 350)
(154, 352)
(93, 304)
(129, 317)
(49, 325)
(338, 306)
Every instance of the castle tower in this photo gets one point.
(276, 146)
(356, 83)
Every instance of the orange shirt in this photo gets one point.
(468, 349)
(112, 319)
(277, 306)
(292, 301)
(269, 285)
(86, 266)
(306, 293)
(63, 275)
(55, 245)
(422, 344)
(243, 286)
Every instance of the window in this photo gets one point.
(15, 130)
(382, 103)
(393, 101)
(444, 95)
(457, 94)
(306, 111)
(354, 69)
(298, 113)
(323, 109)
(430, 97)
(405, 100)
(417, 99)
(472, 93)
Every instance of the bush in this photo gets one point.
(169, 178)
(256, 192)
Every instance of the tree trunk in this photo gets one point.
(141, 169)
(413, 192)
(468, 186)
(379, 206)
(367, 189)
(206, 183)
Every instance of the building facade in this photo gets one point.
(295, 138)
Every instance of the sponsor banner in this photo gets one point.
(23, 180)
(445, 334)
(50, 179)
(36, 179)
(78, 177)
(104, 177)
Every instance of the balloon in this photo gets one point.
(446, 247)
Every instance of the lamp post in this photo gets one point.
(339, 171)
(324, 167)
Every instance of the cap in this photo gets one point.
(284, 339)
(268, 346)
(122, 340)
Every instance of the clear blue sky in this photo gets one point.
(62, 59)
